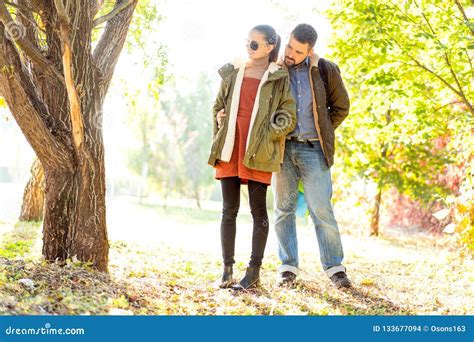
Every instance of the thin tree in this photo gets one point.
(32, 207)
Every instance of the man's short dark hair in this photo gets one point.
(305, 33)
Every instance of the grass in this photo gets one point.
(160, 279)
(20, 241)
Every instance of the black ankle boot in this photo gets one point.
(251, 279)
(226, 280)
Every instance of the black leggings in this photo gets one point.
(258, 206)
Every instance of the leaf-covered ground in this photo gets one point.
(171, 269)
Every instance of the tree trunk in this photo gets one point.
(77, 200)
(33, 197)
(374, 224)
(197, 197)
(55, 88)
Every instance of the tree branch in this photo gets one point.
(15, 32)
(461, 9)
(26, 18)
(16, 88)
(452, 103)
(107, 51)
(459, 92)
(74, 102)
(22, 7)
(448, 63)
(421, 65)
(63, 17)
(118, 8)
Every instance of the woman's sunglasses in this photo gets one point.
(252, 44)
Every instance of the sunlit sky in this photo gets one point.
(204, 35)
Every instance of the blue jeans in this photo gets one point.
(307, 163)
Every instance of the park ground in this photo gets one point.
(165, 260)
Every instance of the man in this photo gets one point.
(322, 104)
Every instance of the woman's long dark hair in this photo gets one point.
(272, 38)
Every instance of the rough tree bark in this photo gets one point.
(54, 85)
(33, 197)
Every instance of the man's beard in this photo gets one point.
(291, 61)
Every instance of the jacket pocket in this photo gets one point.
(266, 150)
(218, 141)
(220, 130)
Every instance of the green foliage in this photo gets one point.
(408, 70)
(19, 242)
(463, 203)
(11, 250)
(196, 144)
(107, 6)
(146, 19)
(189, 130)
(174, 133)
(464, 215)
(144, 119)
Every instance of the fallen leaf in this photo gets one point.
(442, 214)
(449, 229)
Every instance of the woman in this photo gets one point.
(253, 111)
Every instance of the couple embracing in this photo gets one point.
(278, 119)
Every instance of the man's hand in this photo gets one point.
(220, 116)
